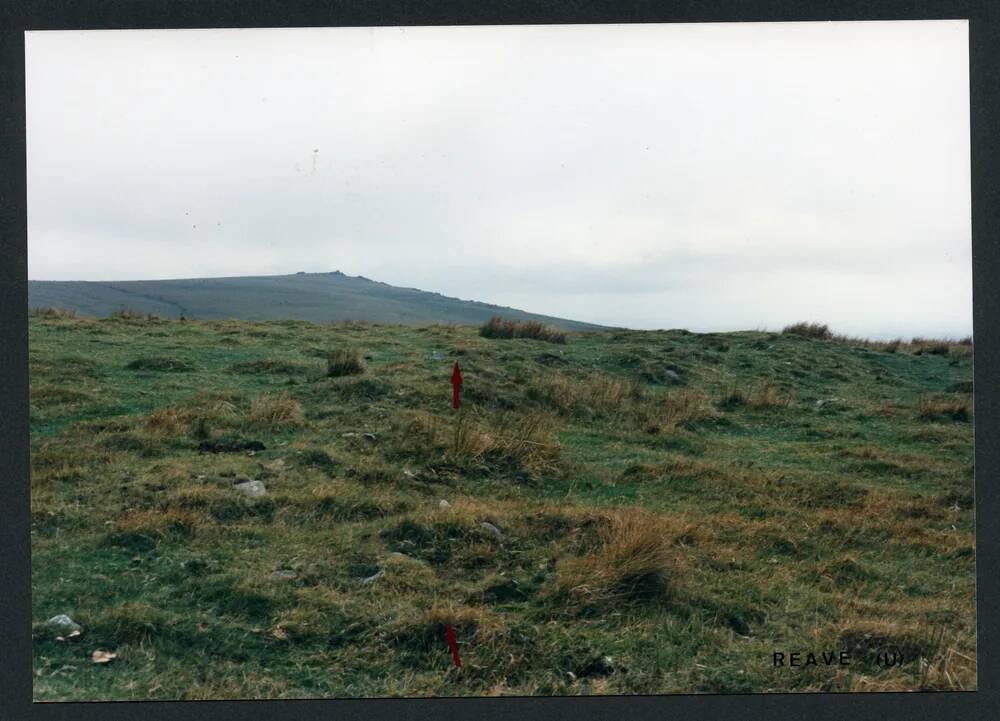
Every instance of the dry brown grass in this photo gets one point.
(916, 346)
(45, 395)
(497, 327)
(819, 331)
(939, 660)
(678, 409)
(929, 346)
(275, 411)
(768, 395)
(131, 314)
(50, 312)
(637, 560)
(425, 631)
(344, 362)
(598, 393)
(933, 407)
(159, 522)
(169, 421)
(523, 439)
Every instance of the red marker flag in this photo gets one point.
(456, 382)
(449, 634)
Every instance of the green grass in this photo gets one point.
(771, 492)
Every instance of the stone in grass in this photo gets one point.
(100, 656)
(443, 504)
(63, 625)
(374, 577)
(437, 355)
(252, 489)
(487, 526)
(283, 575)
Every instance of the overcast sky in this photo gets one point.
(711, 177)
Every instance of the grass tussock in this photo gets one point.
(933, 407)
(130, 314)
(818, 331)
(161, 364)
(636, 561)
(517, 442)
(761, 396)
(267, 366)
(497, 327)
(46, 311)
(597, 394)
(169, 421)
(159, 523)
(425, 632)
(275, 411)
(961, 348)
(57, 395)
(768, 395)
(930, 346)
(679, 409)
(344, 362)
(130, 623)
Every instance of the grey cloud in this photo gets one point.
(634, 175)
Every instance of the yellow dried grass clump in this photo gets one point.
(523, 440)
(636, 560)
(276, 411)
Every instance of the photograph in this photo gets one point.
(500, 360)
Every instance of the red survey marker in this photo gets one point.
(449, 633)
(456, 382)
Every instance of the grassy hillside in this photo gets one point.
(631, 512)
(320, 297)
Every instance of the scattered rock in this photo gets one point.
(826, 401)
(437, 355)
(230, 446)
(443, 504)
(487, 526)
(63, 625)
(283, 575)
(671, 376)
(103, 656)
(371, 579)
(349, 434)
(251, 489)
(371, 437)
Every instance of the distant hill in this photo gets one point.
(302, 296)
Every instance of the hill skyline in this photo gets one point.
(312, 296)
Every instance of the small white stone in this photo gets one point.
(63, 625)
(252, 489)
(371, 579)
